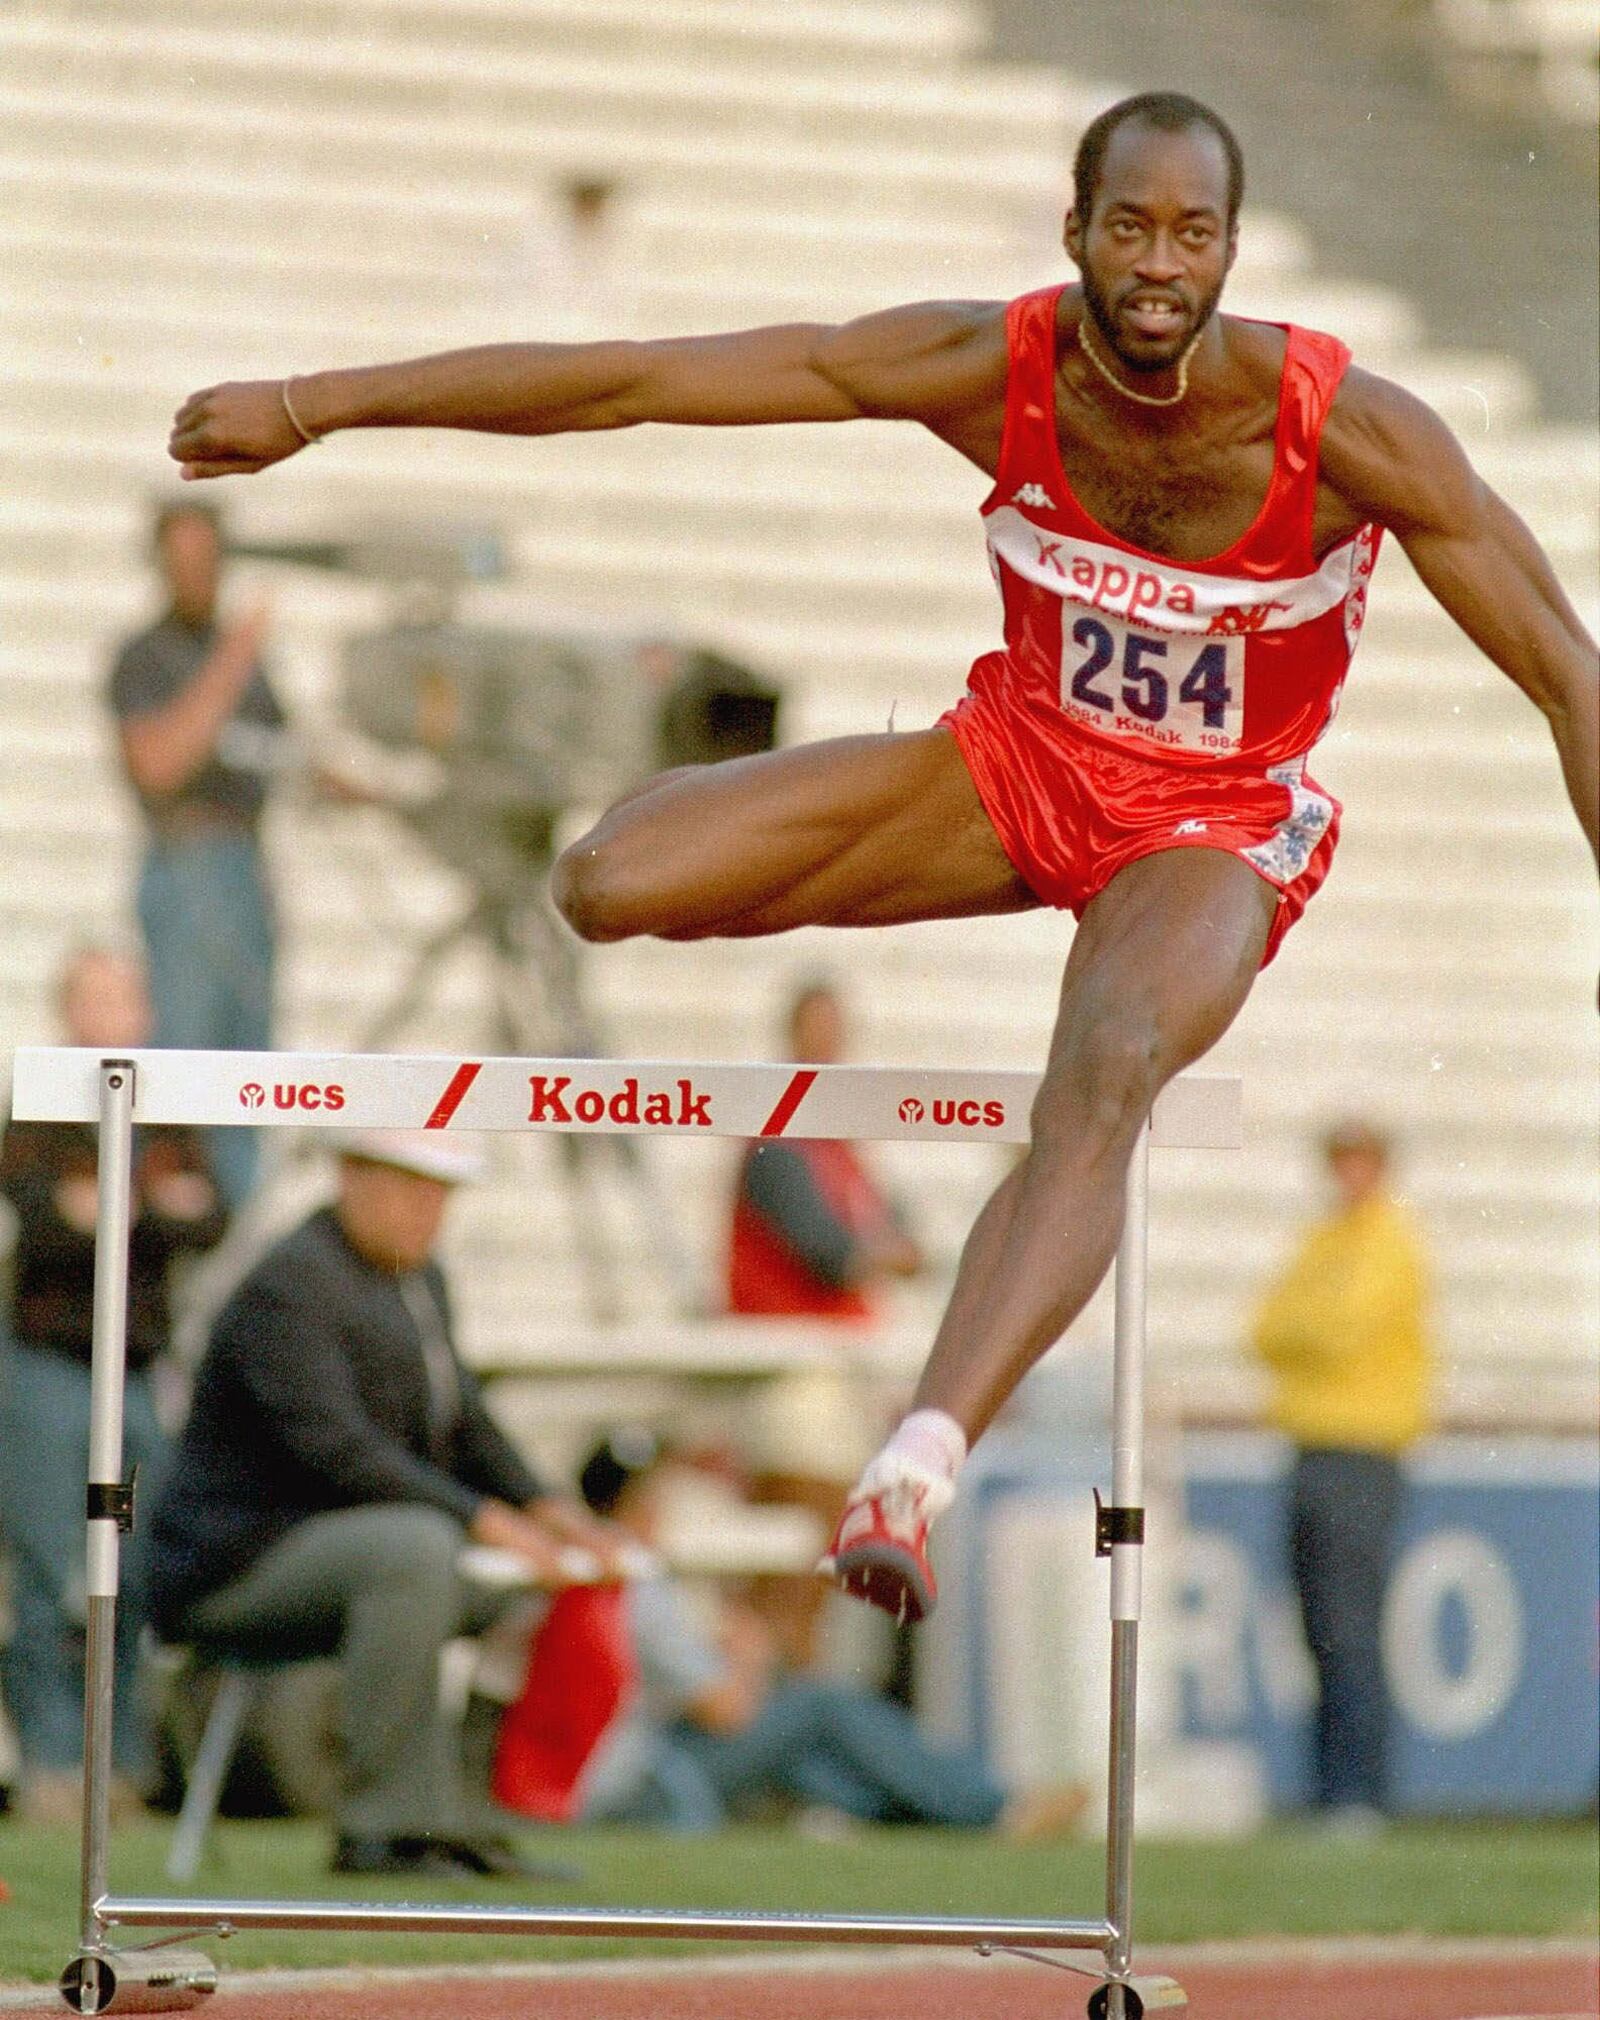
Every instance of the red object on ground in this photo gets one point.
(581, 1676)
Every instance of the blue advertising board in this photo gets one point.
(1491, 1641)
(1490, 1632)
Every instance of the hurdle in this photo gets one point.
(667, 1098)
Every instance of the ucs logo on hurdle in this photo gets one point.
(949, 1114)
(306, 1094)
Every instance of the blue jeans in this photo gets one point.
(822, 1743)
(44, 1464)
(208, 931)
(1343, 1510)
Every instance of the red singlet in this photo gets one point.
(1144, 704)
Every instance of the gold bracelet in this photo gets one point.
(295, 421)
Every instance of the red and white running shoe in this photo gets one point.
(879, 1551)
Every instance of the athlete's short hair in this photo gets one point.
(1166, 112)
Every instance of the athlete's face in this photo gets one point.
(1156, 247)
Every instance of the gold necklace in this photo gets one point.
(1127, 392)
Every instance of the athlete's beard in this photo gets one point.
(1096, 301)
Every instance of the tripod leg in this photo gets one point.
(660, 1228)
(414, 990)
(546, 950)
(528, 1024)
(591, 1234)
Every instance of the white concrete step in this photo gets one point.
(671, 87)
(888, 36)
(146, 139)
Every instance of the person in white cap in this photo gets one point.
(336, 1460)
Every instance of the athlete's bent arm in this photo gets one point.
(1393, 460)
(924, 362)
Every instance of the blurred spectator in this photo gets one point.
(813, 1236)
(337, 1458)
(48, 1174)
(201, 736)
(683, 1728)
(1344, 1333)
(565, 270)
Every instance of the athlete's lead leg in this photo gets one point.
(857, 831)
(1161, 964)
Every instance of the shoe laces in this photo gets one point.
(904, 1501)
(907, 1493)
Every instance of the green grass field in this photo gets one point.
(1445, 1880)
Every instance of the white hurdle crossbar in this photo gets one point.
(580, 1096)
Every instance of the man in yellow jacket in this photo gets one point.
(1344, 1332)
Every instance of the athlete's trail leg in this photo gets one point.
(1161, 965)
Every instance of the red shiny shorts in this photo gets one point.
(1071, 812)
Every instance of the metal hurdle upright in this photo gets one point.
(657, 1098)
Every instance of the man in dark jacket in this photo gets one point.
(336, 1459)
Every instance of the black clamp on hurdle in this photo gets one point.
(1115, 1525)
(113, 1501)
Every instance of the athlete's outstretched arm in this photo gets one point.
(923, 362)
(1393, 460)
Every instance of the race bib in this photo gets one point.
(1177, 691)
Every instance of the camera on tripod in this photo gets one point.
(528, 723)
(522, 724)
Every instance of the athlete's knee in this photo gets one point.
(1097, 1096)
(590, 895)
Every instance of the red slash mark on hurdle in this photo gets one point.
(797, 1090)
(451, 1098)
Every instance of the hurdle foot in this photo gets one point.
(1139, 1996)
(157, 1980)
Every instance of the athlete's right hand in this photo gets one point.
(233, 430)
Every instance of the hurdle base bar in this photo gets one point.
(1142, 1994)
(108, 1980)
(225, 1918)
(156, 1980)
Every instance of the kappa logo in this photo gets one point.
(682, 1107)
(1192, 827)
(1033, 494)
(1239, 620)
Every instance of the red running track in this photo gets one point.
(1310, 1985)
